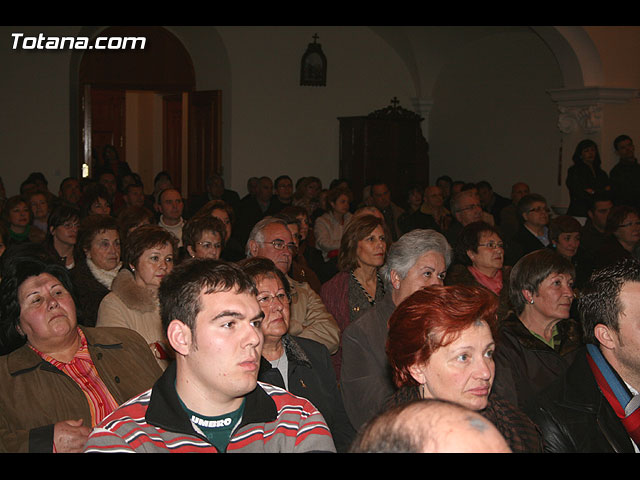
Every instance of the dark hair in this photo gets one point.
(13, 202)
(526, 201)
(179, 292)
(445, 178)
(357, 229)
(60, 215)
(15, 271)
(131, 216)
(531, 270)
(129, 186)
(617, 215)
(337, 192)
(195, 227)
(484, 184)
(90, 226)
(282, 177)
(208, 208)
(620, 138)
(577, 159)
(599, 301)
(92, 193)
(259, 267)
(144, 238)
(432, 318)
(469, 238)
(563, 224)
(598, 197)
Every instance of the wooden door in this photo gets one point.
(108, 123)
(172, 137)
(205, 139)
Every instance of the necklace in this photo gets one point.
(379, 284)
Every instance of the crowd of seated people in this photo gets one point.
(455, 293)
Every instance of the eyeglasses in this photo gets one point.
(70, 225)
(470, 207)
(209, 245)
(540, 210)
(629, 224)
(492, 245)
(266, 300)
(280, 245)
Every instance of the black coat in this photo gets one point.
(311, 376)
(89, 292)
(575, 417)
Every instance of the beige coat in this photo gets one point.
(134, 307)
(310, 318)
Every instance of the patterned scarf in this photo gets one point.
(626, 406)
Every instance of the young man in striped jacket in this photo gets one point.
(208, 399)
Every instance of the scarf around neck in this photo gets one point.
(105, 277)
(494, 284)
(625, 405)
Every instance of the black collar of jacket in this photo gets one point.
(165, 410)
(24, 360)
(570, 334)
(581, 392)
(295, 357)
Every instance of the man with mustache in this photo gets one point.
(209, 399)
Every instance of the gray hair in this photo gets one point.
(455, 201)
(405, 252)
(257, 234)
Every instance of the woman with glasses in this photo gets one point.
(203, 237)
(297, 364)
(479, 261)
(97, 253)
(585, 178)
(358, 286)
(62, 234)
(538, 340)
(533, 232)
(623, 230)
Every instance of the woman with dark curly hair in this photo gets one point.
(441, 344)
(97, 253)
(58, 379)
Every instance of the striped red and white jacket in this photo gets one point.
(274, 421)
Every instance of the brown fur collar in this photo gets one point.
(133, 295)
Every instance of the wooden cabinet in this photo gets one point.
(386, 144)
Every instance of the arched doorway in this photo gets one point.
(143, 105)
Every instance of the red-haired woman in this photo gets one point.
(440, 345)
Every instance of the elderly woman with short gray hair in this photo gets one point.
(418, 259)
(538, 340)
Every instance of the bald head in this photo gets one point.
(430, 426)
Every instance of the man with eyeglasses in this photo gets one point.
(533, 233)
(271, 238)
(466, 209)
